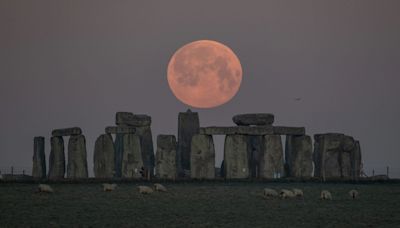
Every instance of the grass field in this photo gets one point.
(202, 204)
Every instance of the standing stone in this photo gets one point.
(298, 154)
(235, 157)
(166, 157)
(39, 158)
(104, 157)
(119, 152)
(132, 157)
(271, 160)
(348, 145)
(57, 158)
(146, 139)
(254, 154)
(202, 159)
(77, 163)
(356, 160)
(188, 125)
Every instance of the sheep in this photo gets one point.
(160, 187)
(353, 194)
(286, 194)
(298, 192)
(109, 187)
(145, 189)
(45, 188)
(268, 192)
(326, 195)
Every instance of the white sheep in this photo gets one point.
(298, 192)
(353, 194)
(286, 194)
(109, 187)
(326, 195)
(268, 192)
(160, 187)
(145, 189)
(45, 188)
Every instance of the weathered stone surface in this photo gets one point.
(132, 161)
(188, 125)
(202, 159)
(241, 130)
(271, 160)
(57, 158)
(299, 157)
(356, 160)
(67, 131)
(235, 157)
(334, 155)
(146, 139)
(279, 130)
(119, 152)
(130, 119)
(39, 158)
(166, 157)
(120, 130)
(104, 157)
(253, 119)
(77, 163)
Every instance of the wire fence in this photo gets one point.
(16, 170)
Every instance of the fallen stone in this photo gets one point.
(104, 157)
(279, 130)
(130, 119)
(271, 160)
(67, 131)
(299, 156)
(235, 157)
(202, 159)
(57, 158)
(253, 119)
(166, 157)
(120, 130)
(77, 163)
(188, 125)
(39, 158)
(132, 162)
(240, 130)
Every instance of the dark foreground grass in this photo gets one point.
(198, 205)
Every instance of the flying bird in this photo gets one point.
(297, 99)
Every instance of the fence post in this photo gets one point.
(12, 170)
(387, 171)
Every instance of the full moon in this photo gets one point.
(204, 74)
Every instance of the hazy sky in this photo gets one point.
(75, 63)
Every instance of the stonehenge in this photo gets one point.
(202, 158)
(104, 157)
(166, 167)
(188, 125)
(336, 156)
(252, 149)
(57, 158)
(39, 158)
(77, 163)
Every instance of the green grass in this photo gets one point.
(203, 204)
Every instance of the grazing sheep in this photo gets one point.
(1, 177)
(45, 188)
(145, 189)
(326, 195)
(298, 192)
(286, 194)
(353, 194)
(109, 187)
(268, 192)
(160, 187)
